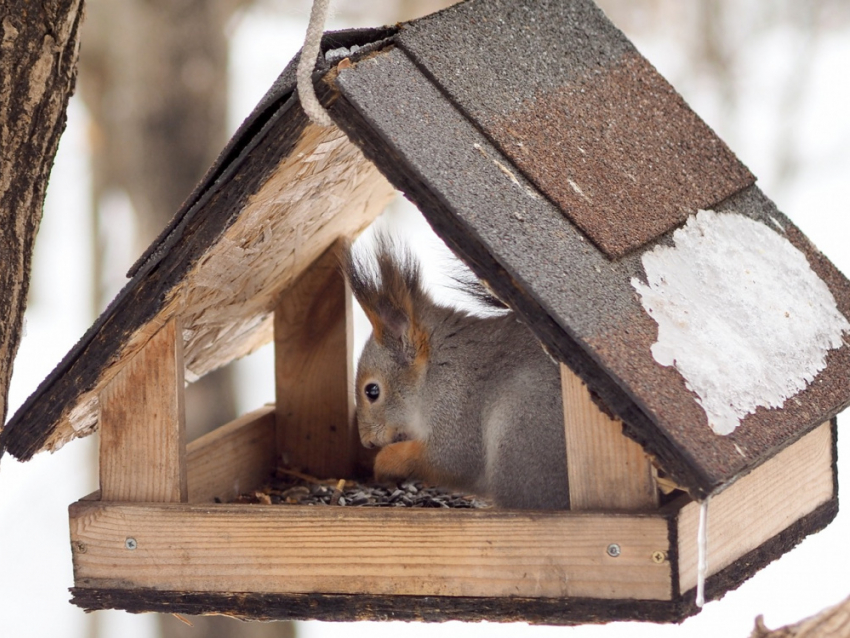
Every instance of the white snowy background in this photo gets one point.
(35, 558)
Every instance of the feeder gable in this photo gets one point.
(552, 160)
(489, 151)
(240, 239)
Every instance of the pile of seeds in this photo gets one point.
(293, 488)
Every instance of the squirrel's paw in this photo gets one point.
(400, 461)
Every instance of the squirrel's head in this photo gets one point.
(392, 368)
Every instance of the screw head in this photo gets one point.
(81, 547)
(614, 550)
(659, 557)
(130, 543)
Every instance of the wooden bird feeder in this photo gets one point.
(553, 159)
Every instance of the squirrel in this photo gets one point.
(454, 399)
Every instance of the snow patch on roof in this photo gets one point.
(740, 313)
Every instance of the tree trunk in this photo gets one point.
(38, 67)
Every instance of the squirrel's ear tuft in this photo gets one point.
(363, 281)
(389, 288)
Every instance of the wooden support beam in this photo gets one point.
(607, 470)
(378, 551)
(314, 372)
(142, 431)
(233, 459)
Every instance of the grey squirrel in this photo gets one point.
(467, 402)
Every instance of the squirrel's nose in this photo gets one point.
(365, 437)
(368, 440)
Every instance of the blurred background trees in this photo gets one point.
(160, 88)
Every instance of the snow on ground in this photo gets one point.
(34, 552)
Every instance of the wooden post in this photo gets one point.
(314, 372)
(607, 470)
(142, 424)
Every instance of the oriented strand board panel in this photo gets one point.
(759, 506)
(143, 438)
(295, 190)
(607, 471)
(292, 549)
(323, 191)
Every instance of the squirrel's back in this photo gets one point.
(471, 402)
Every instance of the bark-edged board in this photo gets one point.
(354, 607)
(309, 546)
(297, 549)
(759, 506)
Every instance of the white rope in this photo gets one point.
(312, 43)
(702, 552)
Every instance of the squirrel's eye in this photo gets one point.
(372, 391)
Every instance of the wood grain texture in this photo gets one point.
(353, 607)
(314, 372)
(607, 470)
(292, 549)
(323, 191)
(142, 439)
(759, 506)
(233, 459)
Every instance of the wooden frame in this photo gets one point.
(160, 533)
(338, 563)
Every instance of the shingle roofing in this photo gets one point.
(551, 157)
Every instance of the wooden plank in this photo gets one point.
(293, 549)
(314, 372)
(142, 430)
(607, 470)
(758, 506)
(233, 459)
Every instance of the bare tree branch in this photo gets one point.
(833, 622)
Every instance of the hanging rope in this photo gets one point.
(702, 551)
(312, 43)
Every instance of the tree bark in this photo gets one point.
(38, 66)
(832, 622)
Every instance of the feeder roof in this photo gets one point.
(569, 175)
